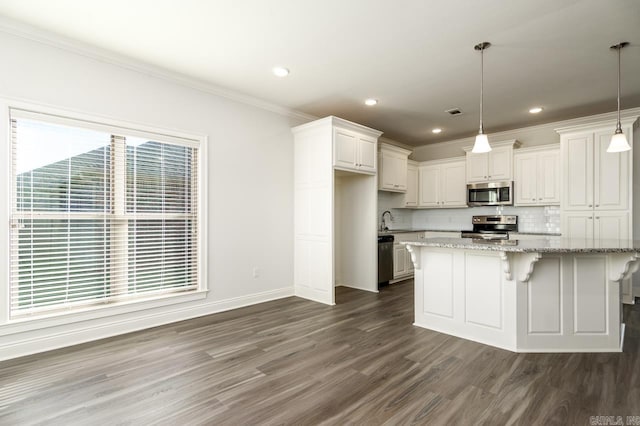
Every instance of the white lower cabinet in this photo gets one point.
(402, 264)
(399, 261)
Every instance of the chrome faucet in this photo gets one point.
(383, 225)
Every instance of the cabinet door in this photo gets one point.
(345, 149)
(577, 225)
(577, 172)
(429, 186)
(399, 262)
(367, 149)
(454, 185)
(610, 226)
(411, 196)
(526, 180)
(548, 186)
(408, 265)
(393, 173)
(500, 160)
(477, 167)
(610, 176)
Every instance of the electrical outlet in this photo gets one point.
(256, 272)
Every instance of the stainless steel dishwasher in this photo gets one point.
(385, 259)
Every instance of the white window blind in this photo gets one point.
(99, 215)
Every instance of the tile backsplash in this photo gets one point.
(530, 219)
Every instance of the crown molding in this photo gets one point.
(396, 143)
(332, 120)
(57, 41)
(625, 115)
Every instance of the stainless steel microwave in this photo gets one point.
(490, 194)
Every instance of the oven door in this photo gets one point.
(490, 194)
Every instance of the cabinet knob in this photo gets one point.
(597, 217)
(485, 177)
(590, 205)
(590, 217)
(489, 177)
(533, 199)
(597, 205)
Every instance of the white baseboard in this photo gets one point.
(15, 345)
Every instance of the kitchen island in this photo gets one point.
(537, 295)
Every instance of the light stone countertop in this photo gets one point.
(542, 245)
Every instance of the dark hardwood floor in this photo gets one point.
(297, 362)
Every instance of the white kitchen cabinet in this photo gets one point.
(399, 261)
(442, 184)
(392, 171)
(334, 208)
(354, 151)
(402, 264)
(429, 186)
(594, 178)
(537, 176)
(495, 165)
(410, 197)
(597, 187)
(599, 225)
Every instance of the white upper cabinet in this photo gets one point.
(537, 176)
(353, 150)
(454, 184)
(410, 198)
(429, 192)
(392, 174)
(495, 165)
(442, 184)
(592, 177)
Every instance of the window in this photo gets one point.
(99, 214)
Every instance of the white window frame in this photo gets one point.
(10, 325)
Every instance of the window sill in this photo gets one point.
(95, 312)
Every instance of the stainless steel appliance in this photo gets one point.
(492, 227)
(490, 194)
(385, 259)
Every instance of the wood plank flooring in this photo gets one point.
(301, 363)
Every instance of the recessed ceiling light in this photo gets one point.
(535, 110)
(371, 102)
(437, 130)
(280, 71)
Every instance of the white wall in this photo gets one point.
(250, 164)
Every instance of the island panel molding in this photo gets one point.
(546, 295)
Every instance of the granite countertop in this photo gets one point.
(542, 245)
(405, 231)
(542, 234)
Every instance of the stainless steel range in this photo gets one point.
(492, 227)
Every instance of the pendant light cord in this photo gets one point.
(619, 125)
(482, 86)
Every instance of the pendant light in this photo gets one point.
(618, 140)
(482, 141)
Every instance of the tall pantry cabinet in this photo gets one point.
(597, 187)
(335, 204)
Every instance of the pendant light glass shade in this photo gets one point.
(482, 141)
(619, 141)
(482, 144)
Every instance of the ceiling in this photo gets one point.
(415, 57)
